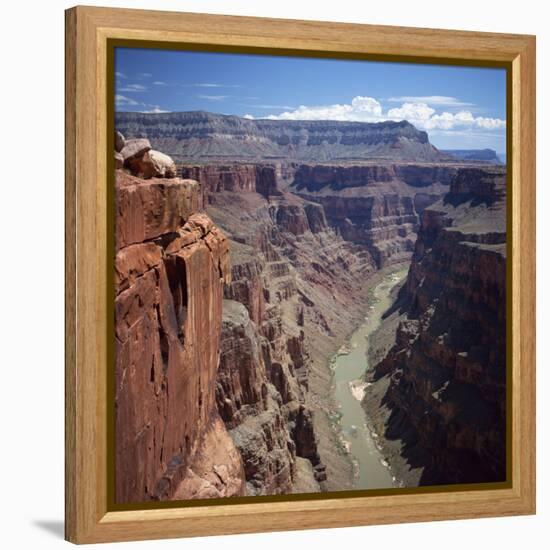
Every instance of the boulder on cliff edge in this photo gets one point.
(134, 148)
(153, 164)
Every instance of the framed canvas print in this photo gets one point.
(300, 274)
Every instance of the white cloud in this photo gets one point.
(160, 83)
(121, 100)
(155, 110)
(213, 97)
(249, 117)
(266, 106)
(463, 119)
(425, 117)
(145, 75)
(207, 85)
(411, 111)
(210, 85)
(441, 100)
(133, 88)
(118, 74)
(368, 109)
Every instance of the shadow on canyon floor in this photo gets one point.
(400, 305)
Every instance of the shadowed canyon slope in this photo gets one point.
(206, 136)
(438, 396)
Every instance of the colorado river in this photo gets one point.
(372, 469)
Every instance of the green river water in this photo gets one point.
(372, 471)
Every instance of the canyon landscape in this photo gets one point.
(304, 305)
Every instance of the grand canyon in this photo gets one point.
(303, 307)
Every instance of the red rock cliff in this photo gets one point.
(239, 178)
(171, 264)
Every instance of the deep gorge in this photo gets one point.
(256, 261)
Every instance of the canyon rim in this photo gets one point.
(310, 288)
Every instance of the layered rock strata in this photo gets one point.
(255, 411)
(438, 398)
(238, 178)
(199, 135)
(170, 267)
(375, 205)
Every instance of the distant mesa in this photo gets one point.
(199, 135)
(474, 155)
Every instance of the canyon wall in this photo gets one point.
(170, 267)
(438, 397)
(375, 205)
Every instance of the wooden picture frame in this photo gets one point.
(89, 31)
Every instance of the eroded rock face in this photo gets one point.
(444, 402)
(170, 268)
(316, 177)
(148, 209)
(251, 407)
(375, 205)
(237, 178)
(304, 240)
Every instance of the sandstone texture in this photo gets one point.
(438, 396)
(239, 178)
(147, 209)
(170, 267)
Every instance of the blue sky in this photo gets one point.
(459, 107)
